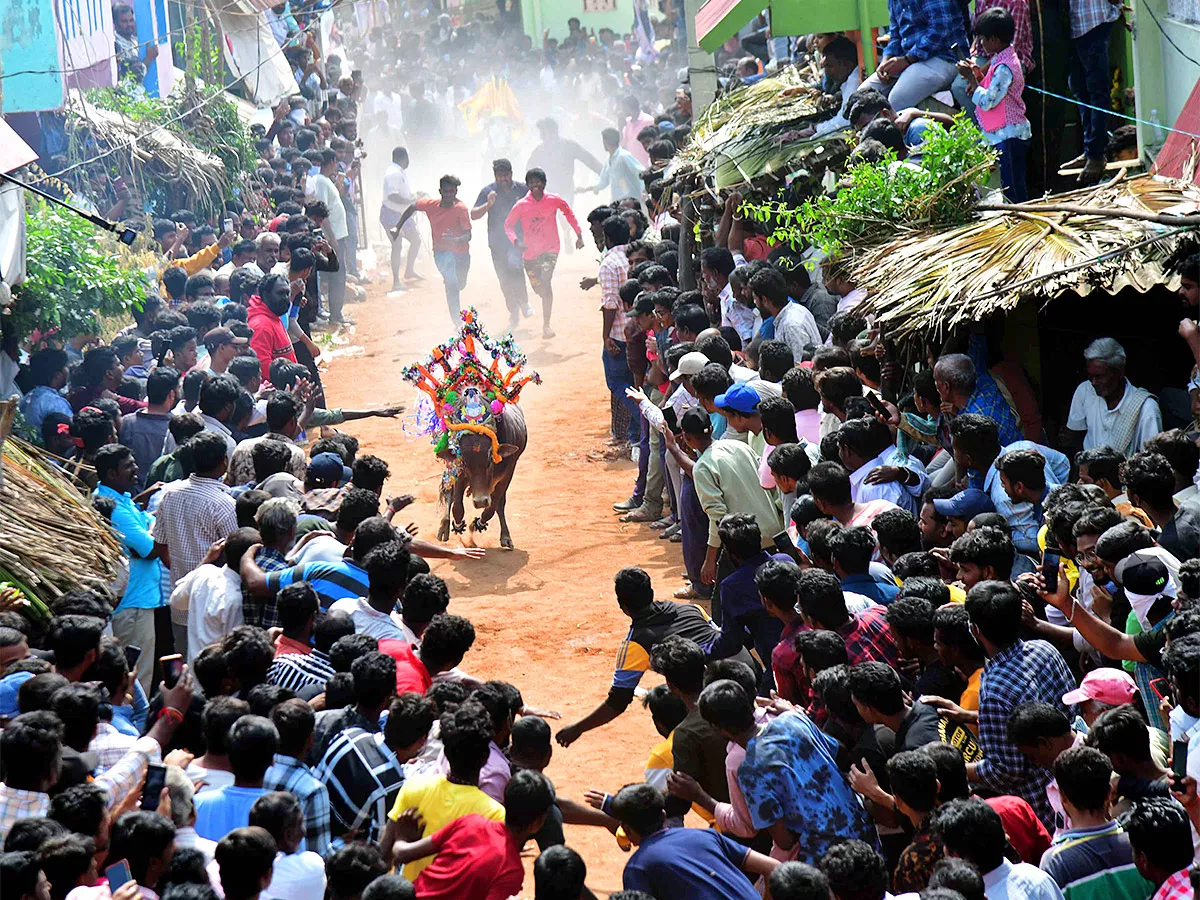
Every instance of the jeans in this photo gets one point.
(618, 377)
(694, 533)
(511, 275)
(1088, 80)
(920, 80)
(454, 268)
(1012, 169)
(350, 247)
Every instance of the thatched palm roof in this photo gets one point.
(168, 156)
(931, 281)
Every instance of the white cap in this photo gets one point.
(690, 364)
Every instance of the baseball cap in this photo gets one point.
(1112, 687)
(689, 364)
(965, 504)
(1144, 576)
(219, 337)
(9, 685)
(739, 398)
(329, 467)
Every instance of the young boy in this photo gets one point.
(997, 97)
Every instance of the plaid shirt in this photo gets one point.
(263, 612)
(614, 269)
(193, 515)
(1089, 14)
(110, 745)
(18, 804)
(1025, 672)
(291, 775)
(869, 639)
(987, 400)
(1177, 887)
(364, 778)
(1023, 38)
(921, 29)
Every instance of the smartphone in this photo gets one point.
(958, 52)
(228, 224)
(1050, 561)
(1161, 688)
(118, 874)
(172, 668)
(318, 234)
(1179, 755)
(132, 655)
(156, 780)
(877, 404)
(783, 543)
(671, 419)
(179, 226)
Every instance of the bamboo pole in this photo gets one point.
(1102, 211)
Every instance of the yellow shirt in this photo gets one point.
(957, 594)
(441, 802)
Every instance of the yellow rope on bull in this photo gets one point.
(480, 429)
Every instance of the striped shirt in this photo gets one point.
(332, 581)
(295, 671)
(364, 778)
(194, 514)
(1095, 864)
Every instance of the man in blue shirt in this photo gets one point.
(622, 173)
(253, 741)
(133, 619)
(49, 371)
(919, 58)
(496, 200)
(964, 382)
(682, 863)
(975, 443)
(852, 549)
(744, 619)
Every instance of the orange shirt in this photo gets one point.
(453, 220)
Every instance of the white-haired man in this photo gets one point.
(1108, 411)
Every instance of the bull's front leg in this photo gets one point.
(456, 507)
(444, 495)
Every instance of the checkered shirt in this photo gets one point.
(364, 778)
(194, 514)
(921, 29)
(291, 775)
(16, 804)
(110, 745)
(869, 639)
(1177, 887)
(263, 612)
(1089, 14)
(1025, 672)
(614, 270)
(1023, 37)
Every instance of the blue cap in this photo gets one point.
(965, 504)
(739, 398)
(329, 467)
(9, 685)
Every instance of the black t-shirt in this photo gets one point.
(699, 750)
(939, 681)
(919, 727)
(1150, 644)
(505, 201)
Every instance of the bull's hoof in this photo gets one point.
(506, 542)
(444, 531)
(479, 524)
(459, 528)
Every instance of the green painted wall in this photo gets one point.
(538, 15)
(1163, 77)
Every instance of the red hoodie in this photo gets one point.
(270, 341)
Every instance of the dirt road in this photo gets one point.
(545, 614)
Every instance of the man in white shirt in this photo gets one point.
(387, 571)
(397, 197)
(794, 324)
(843, 75)
(716, 265)
(321, 187)
(1107, 410)
(212, 595)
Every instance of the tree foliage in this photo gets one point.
(75, 275)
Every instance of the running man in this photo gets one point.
(496, 200)
(397, 197)
(450, 224)
(536, 213)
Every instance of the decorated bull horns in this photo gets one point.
(468, 380)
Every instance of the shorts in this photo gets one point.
(540, 270)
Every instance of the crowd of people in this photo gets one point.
(891, 574)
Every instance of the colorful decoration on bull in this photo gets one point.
(467, 382)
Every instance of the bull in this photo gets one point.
(484, 479)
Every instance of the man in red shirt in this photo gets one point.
(271, 341)
(444, 643)
(450, 224)
(475, 858)
(537, 213)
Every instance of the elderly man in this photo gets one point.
(1108, 411)
(266, 253)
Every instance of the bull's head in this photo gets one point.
(479, 466)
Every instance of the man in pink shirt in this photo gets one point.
(633, 120)
(537, 214)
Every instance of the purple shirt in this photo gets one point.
(494, 775)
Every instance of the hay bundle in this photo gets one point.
(50, 537)
(932, 283)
